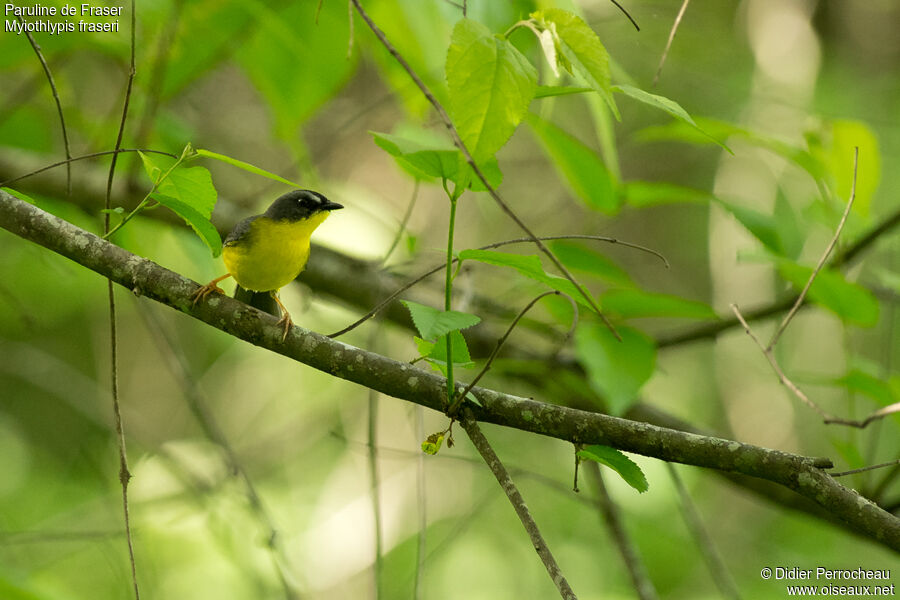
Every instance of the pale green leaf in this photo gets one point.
(618, 462)
(633, 303)
(246, 166)
(199, 223)
(616, 369)
(433, 323)
(490, 84)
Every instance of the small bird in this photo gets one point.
(266, 252)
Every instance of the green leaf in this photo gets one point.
(618, 462)
(529, 266)
(862, 383)
(651, 193)
(843, 136)
(666, 105)
(199, 223)
(437, 355)
(575, 256)
(849, 301)
(490, 84)
(581, 49)
(433, 323)
(189, 185)
(617, 370)
(633, 303)
(546, 91)
(762, 226)
(295, 58)
(246, 166)
(435, 160)
(713, 131)
(579, 166)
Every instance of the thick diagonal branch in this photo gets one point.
(400, 380)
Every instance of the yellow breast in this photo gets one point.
(272, 253)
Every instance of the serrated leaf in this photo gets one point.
(529, 266)
(575, 256)
(433, 323)
(437, 355)
(191, 186)
(651, 193)
(579, 166)
(246, 166)
(616, 370)
(849, 301)
(634, 303)
(490, 84)
(200, 224)
(580, 50)
(666, 105)
(618, 462)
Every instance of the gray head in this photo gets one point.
(298, 205)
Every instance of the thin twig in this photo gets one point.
(892, 463)
(512, 492)
(403, 223)
(62, 120)
(487, 365)
(672, 32)
(442, 266)
(821, 263)
(770, 356)
(458, 142)
(625, 12)
(720, 574)
(124, 474)
(610, 511)
(82, 157)
(349, 25)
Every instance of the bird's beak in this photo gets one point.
(331, 205)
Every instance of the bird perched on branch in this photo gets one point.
(266, 252)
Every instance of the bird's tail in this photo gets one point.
(261, 300)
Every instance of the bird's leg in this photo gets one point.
(205, 290)
(285, 316)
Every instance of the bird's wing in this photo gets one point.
(240, 231)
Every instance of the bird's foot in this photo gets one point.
(205, 290)
(287, 323)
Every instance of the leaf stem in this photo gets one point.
(448, 293)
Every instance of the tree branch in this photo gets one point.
(400, 380)
(515, 498)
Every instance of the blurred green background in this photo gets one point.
(269, 84)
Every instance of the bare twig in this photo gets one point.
(821, 263)
(768, 351)
(625, 12)
(62, 120)
(403, 224)
(611, 515)
(124, 474)
(770, 356)
(672, 32)
(458, 142)
(892, 463)
(487, 365)
(512, 492)
(442, 266)
(82, 157)
(715, 564)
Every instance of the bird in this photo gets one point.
(265, 252)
